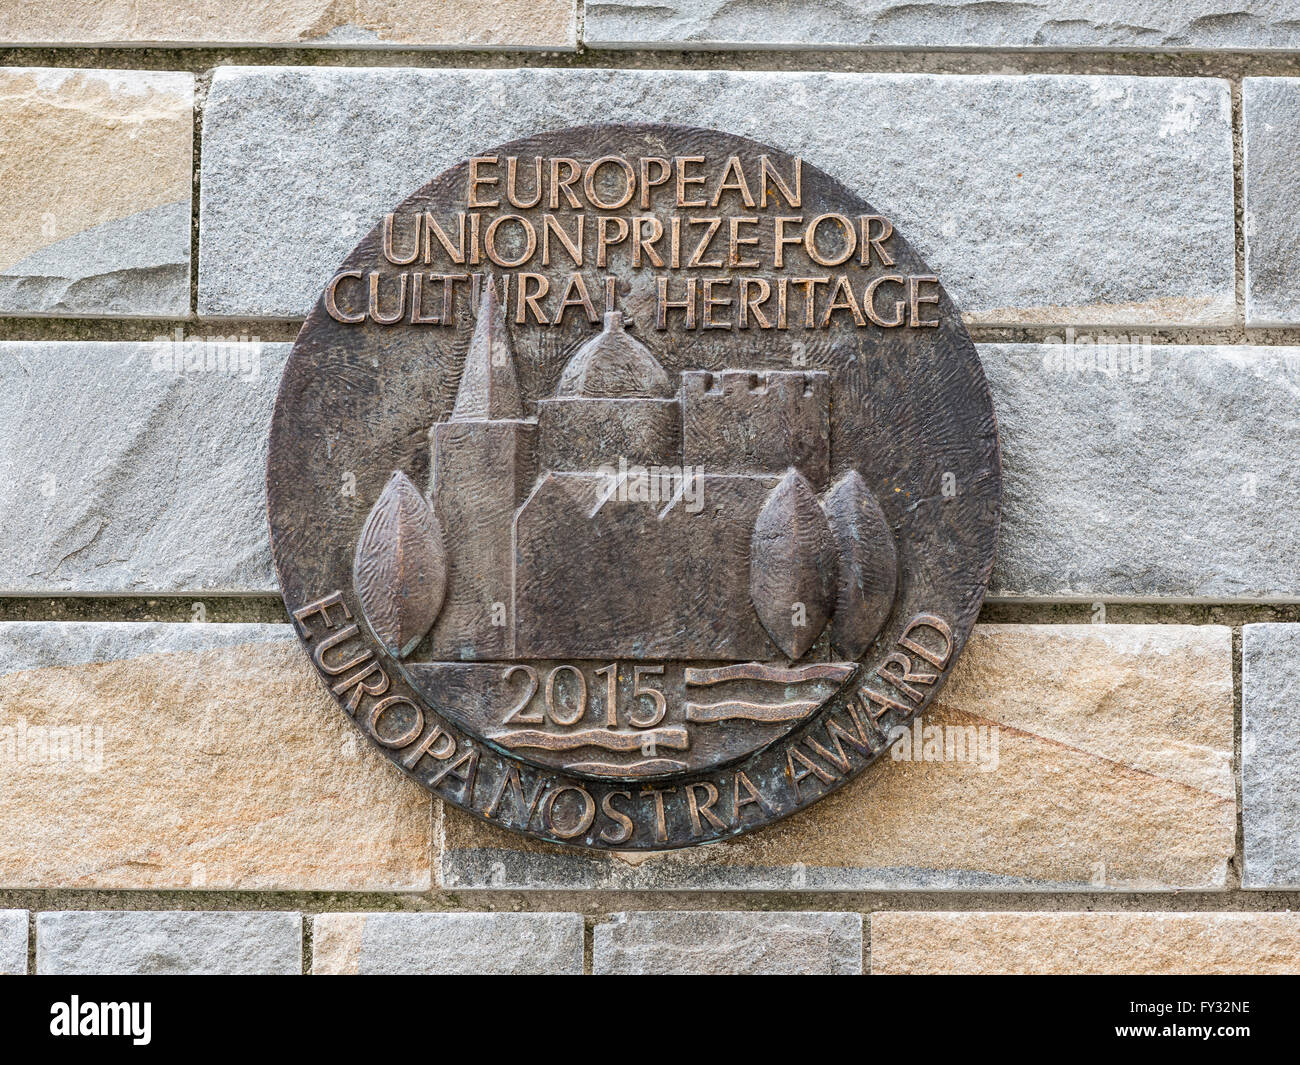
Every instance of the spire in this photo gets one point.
(614, 364)
(488, 388)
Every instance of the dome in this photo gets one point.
(615, 365)
(488, 388)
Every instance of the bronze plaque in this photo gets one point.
(630, 485)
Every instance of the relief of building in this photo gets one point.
(576, 565)
(543, 592)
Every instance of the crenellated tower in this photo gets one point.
(742, 421)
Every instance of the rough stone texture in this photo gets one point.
(156, 942)
(1112, 770)
(144, 755)
(13, 942)
(447, 944)
(905, 943)
(1270, 765)
(1147, 471)
(95, 179)
(135, 468)
(995, 179)
(515, 24)
(1271, 121)
(751, 944)
(1116, 481)
(1068, 25)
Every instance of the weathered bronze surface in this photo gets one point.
(629, 485)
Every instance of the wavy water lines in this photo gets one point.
(674, 739)
(740, 710)
(835, 671)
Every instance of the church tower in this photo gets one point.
(482, 465)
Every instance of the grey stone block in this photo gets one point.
(498, 944)
(1147, 472)
(135, 468)
(1132, 471)
(1271, 118)
(28, 645)
(997, 180)
(1270, 763)
(13, 942)
(707, 943)
(138, 266)
(1047, 24)
(72, 943)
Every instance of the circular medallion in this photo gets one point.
(630, 485)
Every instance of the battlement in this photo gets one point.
(744, 421)
(783, 386)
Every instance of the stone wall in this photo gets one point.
(1109, 191)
